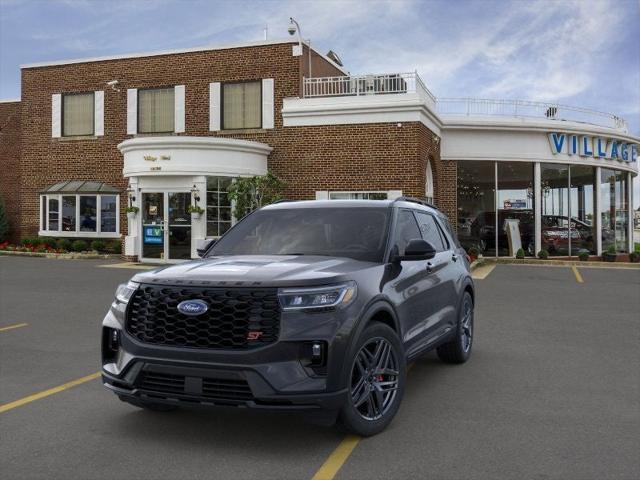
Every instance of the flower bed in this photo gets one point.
(53, 246)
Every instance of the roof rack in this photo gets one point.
(414, 200)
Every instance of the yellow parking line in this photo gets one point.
(37, 396)
(337, 458)
(483, 271)
(131, 265)
(577, 274)
(11, 327)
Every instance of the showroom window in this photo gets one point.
(156, 110)
(241, 105)
(78, 114)
(614, 209)
(516, 223)
(219, 217)
(358, 196)
(75, 209)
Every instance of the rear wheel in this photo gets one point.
(376, 381)
(458, 350)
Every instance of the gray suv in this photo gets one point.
(311, 306)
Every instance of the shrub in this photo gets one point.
(520, 253)
(634, 257)
(114, 247)
(611, 250)
(583, 256)
(543, 254)
(46, 242)
(4, 222)
(98, 245)
(29, 241)
(79, 246)
(64, 244)
(473, 252)
(251, 193)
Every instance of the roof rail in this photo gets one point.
(414, 200)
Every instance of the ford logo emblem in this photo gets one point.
(193, 307)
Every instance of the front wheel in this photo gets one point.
(376, 381)
(458, 350)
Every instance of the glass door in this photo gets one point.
(153, 215)
(179, 243)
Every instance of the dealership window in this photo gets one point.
(477, 206)
(581, 205)
(516, 226)
(72, 209)
(219, 217)
(614, 209)
(358, 196)
(78, 114)
(241, 105)
(156, 110)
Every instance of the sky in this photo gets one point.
(579, 52)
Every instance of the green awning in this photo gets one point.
(81, 186)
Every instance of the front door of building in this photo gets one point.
(166, 226)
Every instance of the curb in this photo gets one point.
(559, 263)
(63, 256)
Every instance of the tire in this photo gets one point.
(458, 350)
(375, 381)
(154, 407)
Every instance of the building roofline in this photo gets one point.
(9, 100)
(172, 52)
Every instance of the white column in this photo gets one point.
(598, 212)
(132, 242)
(199, 226)
(132, 111)
(537, 207)
(630, 211)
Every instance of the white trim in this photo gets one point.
(10, 100)
(78, 233)
(98, 112)
(214, 107)
(132, 111)
(630, 212)
(179, 100)
(62, 234)
(537, 207)
(322, 195)
(172, 52)
(268, 105)
(393, 194)
(206, 143)
(56, 115)
(598, 211)
(429, 187)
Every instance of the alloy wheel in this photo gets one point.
(466, 331)
(374, 379)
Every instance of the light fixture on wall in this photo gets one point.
(294, 27)
(132, 197)
(196, 194)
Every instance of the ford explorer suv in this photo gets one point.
(310, 306)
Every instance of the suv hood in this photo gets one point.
(257, 270)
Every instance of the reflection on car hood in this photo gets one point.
(256, 270)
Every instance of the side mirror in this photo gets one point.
(418, 249)
(202, 251)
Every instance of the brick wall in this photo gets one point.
(341, 157)
(10, 163)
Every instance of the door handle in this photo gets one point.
(454, 257)
(429, 267)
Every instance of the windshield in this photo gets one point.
(358, 233)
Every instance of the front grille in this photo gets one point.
(153, 317)
(228, 390)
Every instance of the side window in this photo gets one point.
(406, 229)
(431, 232)
(452, 235)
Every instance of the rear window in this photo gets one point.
(358, 233)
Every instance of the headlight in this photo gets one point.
(124, 291)
(317, 297)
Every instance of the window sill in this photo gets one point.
(155, 134)
(47, 233)
(242, 131)
(78, 138)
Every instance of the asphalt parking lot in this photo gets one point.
(552, 391)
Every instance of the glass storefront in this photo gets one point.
(567, 208)
(476, 206)
(516, 222)
(614, 209)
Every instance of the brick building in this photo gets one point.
(160, 131)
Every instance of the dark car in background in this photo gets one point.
(312, 306)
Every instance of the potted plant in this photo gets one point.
(583, 256)
(195, 211)
(543, 254)
(520, 254)
(610, 255)
(131, 212)
(634, 256)
(473, 254)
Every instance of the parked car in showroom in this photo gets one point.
(311, 306)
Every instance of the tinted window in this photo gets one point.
(430, 231)
(359, 233)
(406, 230)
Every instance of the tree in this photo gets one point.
(4, 222)
(251, 193)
